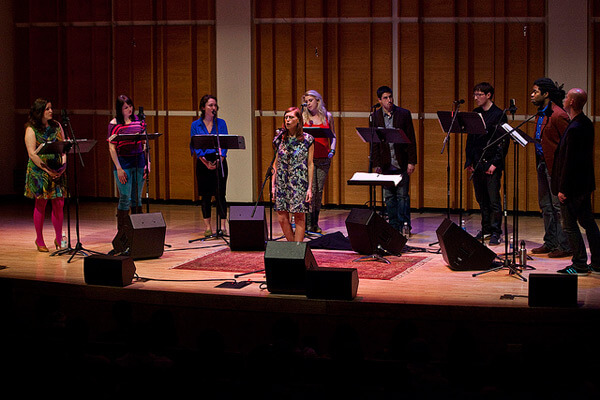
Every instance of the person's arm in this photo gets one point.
(311, 167)
(112, 150)
(31, 145)
(333, 144)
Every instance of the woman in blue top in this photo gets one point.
(211, 182)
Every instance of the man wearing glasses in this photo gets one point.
(486, 168)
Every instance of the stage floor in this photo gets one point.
(433, 283)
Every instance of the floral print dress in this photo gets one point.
(291, 182)
(38, 184)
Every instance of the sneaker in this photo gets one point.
(573, 270)
(480, 235)
(594, 269)
(560, 254)
(543, 249)
(495, 239)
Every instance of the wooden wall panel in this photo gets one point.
(439, 60)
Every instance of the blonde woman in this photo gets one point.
(316, 115)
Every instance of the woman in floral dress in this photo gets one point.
(45, 173)
(292, 188)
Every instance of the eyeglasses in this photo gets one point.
(478, 94)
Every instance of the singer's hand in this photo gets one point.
(561, 197)
(122, 175)
(377, 170)
(410, 168)
(308, 195)
(491, 169)
(470, 169)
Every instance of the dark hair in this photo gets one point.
(36, 113)
(299, 134)
(556, 93)
(384, 89)
(122, 100)
(484, 87)
(203, 102)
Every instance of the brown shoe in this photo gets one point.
(541, 250)
(560, 254)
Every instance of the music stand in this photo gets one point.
(217, 142)
(380, 135)
(139, 137)
(459, 122)
(79, 147)
(372, 179)
(519, 138)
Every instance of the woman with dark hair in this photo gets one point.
(211, 179)
(293, 169)
(128, 159)
(45, 180)
(316, 115)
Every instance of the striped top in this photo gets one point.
(128, 150)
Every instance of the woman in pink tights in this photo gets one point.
(45, 173)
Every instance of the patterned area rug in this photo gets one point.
(248, 261)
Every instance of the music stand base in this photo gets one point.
(373, 257)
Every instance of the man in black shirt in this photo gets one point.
(487, 168)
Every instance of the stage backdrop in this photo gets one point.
(162, 53)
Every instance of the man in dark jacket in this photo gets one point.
(395, 158)
(573, 181)
(487, 168)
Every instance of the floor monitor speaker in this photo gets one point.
(246, 231)
(552, 290)
(286, 264)
(143, 238)
(369, 233)
(332, 283)
(461, 251)
(107, 270)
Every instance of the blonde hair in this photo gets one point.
(321, 110)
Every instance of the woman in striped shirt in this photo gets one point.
(128, 159)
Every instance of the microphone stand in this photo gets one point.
(268, 176)
(447, 141)
(513, 267)
(78, 246)
(142, 116)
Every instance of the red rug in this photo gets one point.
(248, 261)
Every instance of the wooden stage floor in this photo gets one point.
(452, 312)
(432, 284)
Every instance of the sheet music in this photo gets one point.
(515, 134)
(374, 177)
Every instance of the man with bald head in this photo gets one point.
(573, 182)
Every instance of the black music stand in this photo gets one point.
(217, 142)
(372, 179)
(458, 122)
(139, 137)
(380, 135)
(79, 147)
(519, 138)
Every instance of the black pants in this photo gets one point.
(212, 183)
(487, 194)
(576, 209)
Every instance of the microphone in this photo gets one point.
(64, 116)
(461, 101)
(512, 108)
(141, 114)
(375, 106)
(278, 133)
(303, 104)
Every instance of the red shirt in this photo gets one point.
(321, 144)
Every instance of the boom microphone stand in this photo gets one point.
(519, 138)
(77, 150)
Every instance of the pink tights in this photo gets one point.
(39, 213)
